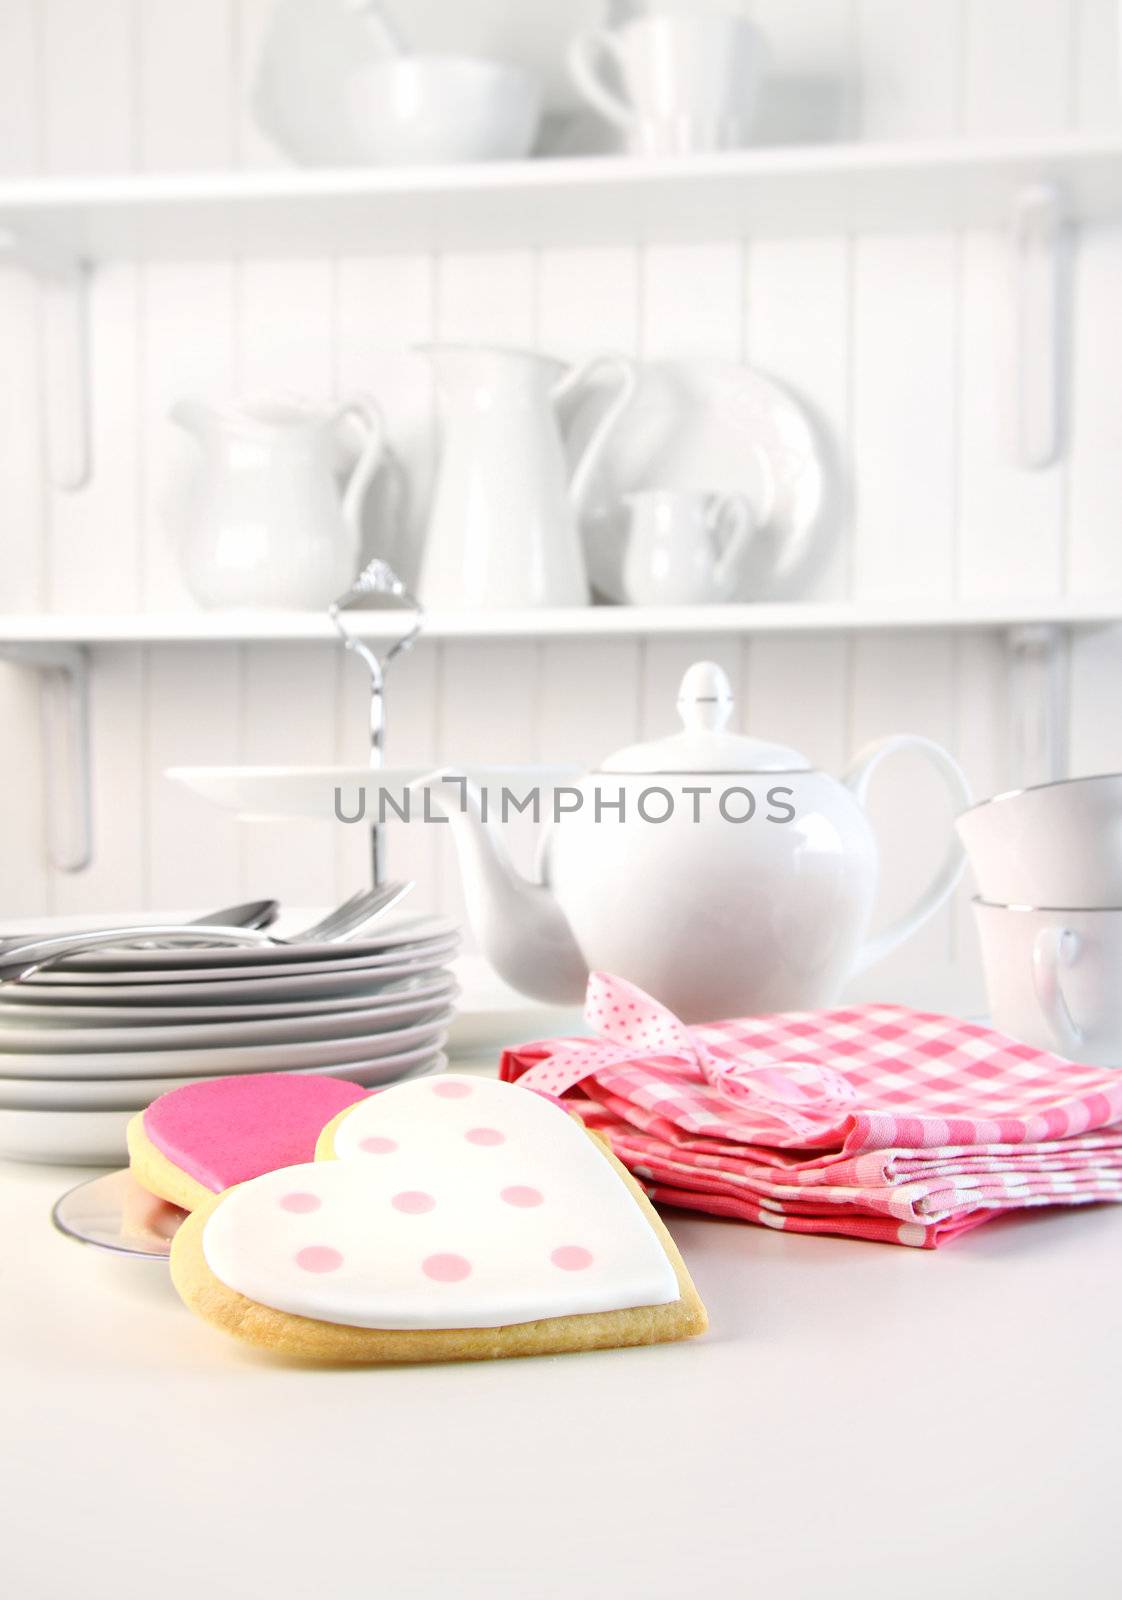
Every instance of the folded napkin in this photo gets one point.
(876, 1121)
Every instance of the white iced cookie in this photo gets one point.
(455, 1217)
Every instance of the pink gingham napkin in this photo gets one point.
(873, 1121)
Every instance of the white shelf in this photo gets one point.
(580, 622)
(775, 190)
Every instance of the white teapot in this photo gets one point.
(720, 873)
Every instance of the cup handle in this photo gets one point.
(857, 779)
(364, 411)
(1052, 950)
(627, 378)
(586, 51)
(733, 523)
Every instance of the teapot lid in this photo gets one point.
(705, 704)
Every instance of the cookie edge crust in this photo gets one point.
(158, 1174)
(288, 1334)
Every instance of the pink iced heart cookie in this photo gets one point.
(447, 1218)
(193, 1142)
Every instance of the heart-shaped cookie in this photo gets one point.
(451, 1217)
(193, 1142)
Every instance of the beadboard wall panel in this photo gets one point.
(900, 348)
(1009, 520)
(798, 326)
(117, 876)
(1095, 460)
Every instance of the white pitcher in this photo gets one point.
(685, 547)
(276, 509)
(503, 530)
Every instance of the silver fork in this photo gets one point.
(341, 924)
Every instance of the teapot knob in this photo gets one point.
(705, 697)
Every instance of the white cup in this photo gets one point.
(1059, 844)
(685, 547)
(1052, 977)
(687, 83)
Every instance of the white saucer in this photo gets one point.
(46, 1038)
(105, 1094)
(97, 1138)
(337, 979)
(221, 1060)
(437, 985)
(399, 939)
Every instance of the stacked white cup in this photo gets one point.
(1048, 864)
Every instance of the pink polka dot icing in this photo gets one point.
(571, 1257)
(300, 1200)
(446, 1267)
(318, 1258)
(226, 1130)
(452, 1089)
(467, 1210)
(378, 1146)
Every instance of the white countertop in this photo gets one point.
(861, 1419)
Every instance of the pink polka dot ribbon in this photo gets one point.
(632, 1027)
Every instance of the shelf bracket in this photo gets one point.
(65, 282)
(1038, 682)
(1039, 237)
(64, 708)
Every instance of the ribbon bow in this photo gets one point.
(634, 1028)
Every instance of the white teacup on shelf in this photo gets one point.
(685, 547)
(1052, 978)
(687, 83)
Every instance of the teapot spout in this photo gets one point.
(519, 925)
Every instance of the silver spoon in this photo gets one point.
(356, 913)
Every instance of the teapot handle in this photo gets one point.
(577, 377)
(367, 413)
(938, 890)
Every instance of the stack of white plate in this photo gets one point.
(86, 1044)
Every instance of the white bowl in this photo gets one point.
(409, 110)
(1058, 844)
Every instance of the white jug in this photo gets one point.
(275, 513)
(685, 547)
(503, 530)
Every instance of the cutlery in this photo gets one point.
(250, 914)
(356, 913)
